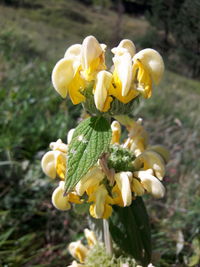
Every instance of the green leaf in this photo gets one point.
(130, 230)
(91, 138)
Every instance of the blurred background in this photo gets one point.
(33, 37)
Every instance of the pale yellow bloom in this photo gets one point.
(78, 250)
(138, 137)
(91, 238)
(92, 57)
(54, 164)
(150, 183)
(123, 181)
(60, 201)
(92, 179)
(116, 132)
(125, 46)
(101, 98)
(101, 200)
(151, 160)
(123, 74)
(74, 51)
(59, 145)
(148, 67)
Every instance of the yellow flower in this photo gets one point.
(123, 181)
(60, 201)
(148, 67)
(123, 88)
(138, 137)
(92, 57)
(100, 208)
(92, 179)
(80, 65)
(54, 164)
(91, 238)
(116, 132)
(150, 183)
(151, 160)
(78, 250)
(101, 98)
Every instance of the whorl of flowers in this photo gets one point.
(131, 168)
(83, 67)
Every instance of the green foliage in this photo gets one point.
(130, 230)
(90, 140)
(181, 30)
(98, 257)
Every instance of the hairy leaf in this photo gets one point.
(90, 139)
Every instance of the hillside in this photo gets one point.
(32, 115)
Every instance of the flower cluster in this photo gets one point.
(83, 67)
(130, 169)
(79, 251)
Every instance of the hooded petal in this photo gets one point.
(103, 83)
(101, 199)
(151, 183)
(124, 46)
(58, 200)
(151, 160)
(74, 51)
(59, 145)
(153, 61)
(91, 179)
(78, 250)
(92, 57)
(123, 74)
(123, 183)
(53, 163)
(62, 75)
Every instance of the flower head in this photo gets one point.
(84, 66)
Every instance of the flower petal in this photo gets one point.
(151, 160)
(62, 75)
(124, 46)
(78, 250)
(91, 179)
(58, 200)
(103, 83)
(123, 182)
(153, 61)
(151, 183)
(123, 74)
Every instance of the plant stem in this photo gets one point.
(107, 237)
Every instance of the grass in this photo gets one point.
(33, 115)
